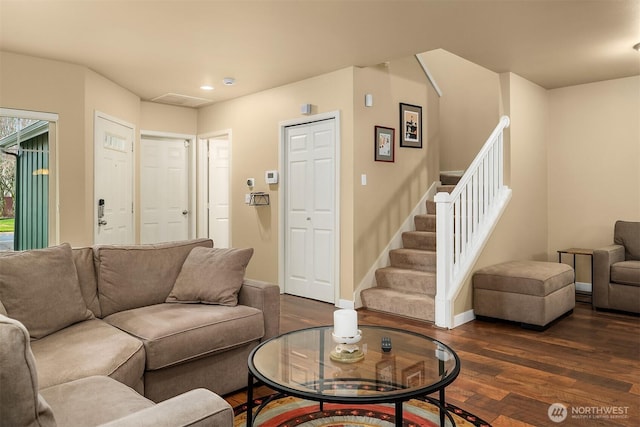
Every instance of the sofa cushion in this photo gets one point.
(20, 403)
(40, 289)
(93, 401)
(626, 273)
(139, 275)
(211, 276)
(175, 333)
(83, 260)
(627, 234)
(89, 348)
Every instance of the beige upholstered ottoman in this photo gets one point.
(533, 293)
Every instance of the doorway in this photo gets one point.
(215, 174)
(113, 186)
(310, 251)
(166, 212)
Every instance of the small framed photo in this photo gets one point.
(386, 372)
(384, 144)
(414, 375)
(410, 126)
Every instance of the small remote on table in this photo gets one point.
(386, 344)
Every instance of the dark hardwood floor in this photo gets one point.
(588, 361)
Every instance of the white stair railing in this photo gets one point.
(465, 219)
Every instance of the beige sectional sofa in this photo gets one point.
(161, 319)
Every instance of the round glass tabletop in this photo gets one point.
(306, 363)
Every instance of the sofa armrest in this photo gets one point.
(603, 258)
(197, 407)
(266, 297)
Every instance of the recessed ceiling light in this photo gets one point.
(229, 81)
(637, 47)
(206, 87)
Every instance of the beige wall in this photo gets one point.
(75, 93)
(102, 95)
(469, 106)
(254, 122)
(594, 164)
(393, 189)
(370, 214)
(522, 232)
(34, 84)
(168, 118)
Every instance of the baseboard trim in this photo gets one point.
(462, 318)
(584, 287)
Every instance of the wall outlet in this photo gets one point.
(247, 198)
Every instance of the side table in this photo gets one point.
(581, 296)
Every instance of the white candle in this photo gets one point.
(345, 323)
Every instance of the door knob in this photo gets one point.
(184, 212)
(102, 222)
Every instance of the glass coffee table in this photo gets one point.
(300, 364)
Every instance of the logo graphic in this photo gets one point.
(557, 412)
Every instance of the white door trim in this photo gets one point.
(335, 115)
(193, 219)
(99, 114)
(202, 179)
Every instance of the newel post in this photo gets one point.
(444, 257)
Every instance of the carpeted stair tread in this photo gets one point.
(403, 279)
(449, 179)
(423, 240)
(407, 304)
(413, 259)
(426, 222)
(445, 188)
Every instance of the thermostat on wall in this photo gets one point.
(271, 177)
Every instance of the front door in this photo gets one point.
(164, 189)
(113, 186)
(310, 206)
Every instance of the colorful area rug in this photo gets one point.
(290, 411)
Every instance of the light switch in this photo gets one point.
(363, 179)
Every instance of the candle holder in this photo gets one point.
(347, 350)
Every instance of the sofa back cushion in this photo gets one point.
(627, 234)
(40, 289)
(211, 276)
(83, 260)
(20, 403)
(139, 275)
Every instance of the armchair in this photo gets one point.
(90, 401)
(616, 270)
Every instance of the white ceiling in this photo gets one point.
(158, 47)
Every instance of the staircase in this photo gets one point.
(407, 287)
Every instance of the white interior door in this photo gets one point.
(164, 190)
(113, 181)
(310, 209)
(219, 168)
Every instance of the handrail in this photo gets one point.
(465, 218)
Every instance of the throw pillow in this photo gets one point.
(211, 276)
(40, 289)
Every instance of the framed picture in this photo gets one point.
(386, 372)
(410, 126)
(414, 375)
(384, 142)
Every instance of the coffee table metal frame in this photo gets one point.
(256, 378)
